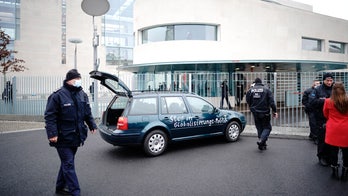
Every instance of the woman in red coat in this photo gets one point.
(336, 112)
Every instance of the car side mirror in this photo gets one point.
(215, 110)
(208, 109)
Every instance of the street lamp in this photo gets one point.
(75, 41)
(95, 8)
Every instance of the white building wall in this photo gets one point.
(250, 30)
(40, 43)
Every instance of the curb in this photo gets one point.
(249, 130)
(23, 130)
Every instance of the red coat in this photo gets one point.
(336, 125)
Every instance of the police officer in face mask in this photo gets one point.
(66, 113)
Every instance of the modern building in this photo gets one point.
(177, 43)
(43, 32)
(236, 35)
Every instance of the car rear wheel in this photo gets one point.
(155, 143)
(232, 131)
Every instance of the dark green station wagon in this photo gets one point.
(152, 119)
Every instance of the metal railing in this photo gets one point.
(27, 95)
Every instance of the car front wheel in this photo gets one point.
(232, 131)
(155, 143)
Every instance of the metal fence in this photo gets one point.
(27, 95)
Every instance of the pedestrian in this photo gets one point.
(308, 95)
(224, 94)
(322, 92)
(260, 100)
(7, 94)
(239, 88)
(67, 111)
(336, 112)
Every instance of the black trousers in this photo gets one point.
(312, 124)
(323, 150)
(67, 175)
(222, 101)
(263, 125)
(334, 150)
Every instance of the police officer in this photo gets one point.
(308, 95)
(317, 103)
(66, 112)
(260, 100)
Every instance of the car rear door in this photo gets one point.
(111, 82)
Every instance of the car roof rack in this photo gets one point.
(161, 91)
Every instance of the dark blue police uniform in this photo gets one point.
(317, 103)
(66, 113)
(260, 100)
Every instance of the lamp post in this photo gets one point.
(75, 41)
(95, 8)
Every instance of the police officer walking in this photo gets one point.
(317, 103)
(260, 100)
(66, 112)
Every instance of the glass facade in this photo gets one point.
(10, 17)
(10, 20)
(117, 33)
(180, 32)
(201, 78)
(63, 31)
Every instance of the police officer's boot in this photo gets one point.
(344, 174)
(334, 172)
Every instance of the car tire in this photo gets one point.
(155, 143)
(232, 131)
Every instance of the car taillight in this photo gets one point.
(122, 123)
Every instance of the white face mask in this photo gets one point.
(78, 83)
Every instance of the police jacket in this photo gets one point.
(307, 97)
(317, 103)
(66, 112)
(260, 99)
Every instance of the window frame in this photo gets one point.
(136, 110)
(191, 99)
(166, 105)
(307, 44)
(174, 32)
(341, 50)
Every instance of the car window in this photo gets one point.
(198, 105)
(120, 103)
(173, 105)
(143, 106)
(114, 85)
